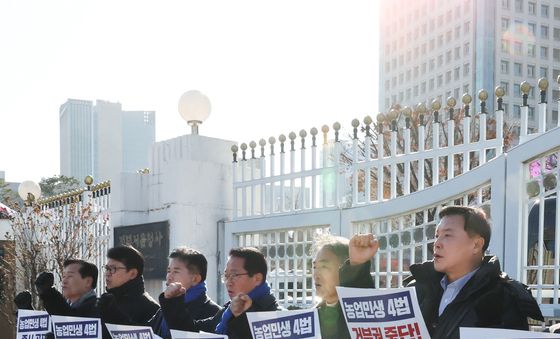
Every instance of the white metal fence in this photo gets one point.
(393, 181)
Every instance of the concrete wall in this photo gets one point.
(189, 185)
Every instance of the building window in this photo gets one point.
(504, 67)
(531, 113)
(544, 11)
(532, 8)
(423, 69)
(516, 90)
(431, 84)
(544, 52)
(457, 53)
(448, 36)
(457, 32)
(466, 49)
(408, 74)
(467, 27)
(448, 57)
(505, 86)
(447, 77)
(556, 54)
(556, 13)
(456, 73)
(544, 32)
(505, 24)
(531, 71)
(456, 93)
(440, 40)
(555, 74)
(516, 111)
(466, 69)
(531, 50)
(440, 60)
(423, 87)
(543, 72)
(415, 91)
(532, 28)
(517, 69)
(505, 4)
(556, 34)
(439, 80)
(505, 46)
(518, 48)
(519, 6)
(432, 64)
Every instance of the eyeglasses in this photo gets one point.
(231, 276)
(112, 269)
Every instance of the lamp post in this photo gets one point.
(194, 107)
(29, 191)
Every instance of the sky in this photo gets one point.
(268, 67)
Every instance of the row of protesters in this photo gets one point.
(460, 287)
(185, 304)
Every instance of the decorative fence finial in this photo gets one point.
(421, 109)
(292, 137)
(483, 96)
(525, 89)
(407, 112)
(466, 99)
(262, 143)
(243, 149)
(302, 135)
(355, 125)
(367, 122)
(252, 144)
(392, 117)
(543, 86)
(380, 120)
(282, 139)
(451, 102)
(325, 130)
(313, 132)
(271, 141)
(436, 105)
(500, 92)
(234, 149)
(336, 127)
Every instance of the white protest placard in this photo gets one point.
(130, 332)
(284, 324)
(176, 334)
(382, 313)
(497, 333)
(33, 324)
(76, 327)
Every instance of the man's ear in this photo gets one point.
(479, 244)
(259, 278)
(197, 279)
(132, 273)
(89, 281)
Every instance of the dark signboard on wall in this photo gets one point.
(152, 240)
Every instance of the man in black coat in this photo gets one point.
(459, 288)
(245, 281)
(126, 302)
(186, 288)
(78, 297)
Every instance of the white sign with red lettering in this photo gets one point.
(382, 313)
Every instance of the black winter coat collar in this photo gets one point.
(133, 287)
(489, 299)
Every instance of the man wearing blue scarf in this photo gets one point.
(245, 282)
(186, 289)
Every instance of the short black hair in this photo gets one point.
(87, 269)
(193, 260)
(129, 256)
(254, 260)
(476, 222)
(337, 245)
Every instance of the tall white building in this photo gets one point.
(442, 48)
(103, 140)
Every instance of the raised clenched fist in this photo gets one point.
(362, 248)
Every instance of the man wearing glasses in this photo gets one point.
(126, 302)
(245, 282)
